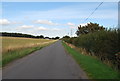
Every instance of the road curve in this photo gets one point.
(51, 62)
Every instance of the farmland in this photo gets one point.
(16, 47)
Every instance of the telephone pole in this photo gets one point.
(71, 32)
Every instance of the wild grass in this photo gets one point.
(93, 66)
(15, 47)
(13, 43)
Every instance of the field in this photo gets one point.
(15, 47)
(13, 43)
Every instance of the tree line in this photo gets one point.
(25, 35)
(98, 41)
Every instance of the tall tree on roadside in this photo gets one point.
(89, 28)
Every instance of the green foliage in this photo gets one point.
(6, 34)
(19, 35)
(103, 44)
(56, 38)
(89, 28)
(94, 67)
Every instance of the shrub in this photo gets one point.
(104, 44)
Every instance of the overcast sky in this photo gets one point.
(55, 18)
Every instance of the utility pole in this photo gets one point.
(71, 32)
(68, 33)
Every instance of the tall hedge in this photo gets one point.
(103, 44)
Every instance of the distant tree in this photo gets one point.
(46, 38)
(19, 35)
(41, 36)
(66, 36)
(52, 38)
(56, 37)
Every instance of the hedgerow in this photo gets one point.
(103, 44)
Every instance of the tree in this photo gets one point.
(41, 36)
(66, 36)
(19, 35)
(46, 38)
(56, 37)
(89, 28)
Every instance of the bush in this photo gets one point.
(104, 44)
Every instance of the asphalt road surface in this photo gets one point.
(51, 62)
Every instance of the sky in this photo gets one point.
(55, 18)
(60, 0)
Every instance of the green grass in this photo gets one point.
(92, 66)
(19, 53)
(18, 47)
(12, 55)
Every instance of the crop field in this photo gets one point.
(16, 47)
(13, 43)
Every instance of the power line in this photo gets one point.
(93, 11)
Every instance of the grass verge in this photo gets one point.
(92, 66)
(19, 53)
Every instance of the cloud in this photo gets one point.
(47, 29)
(26, 26)
(47, 22)
(70, 24)
(42, 28)
(4, 22)
(55, 29)
(26, 17)
(84, 24)
(16, 22)
(73, 27)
